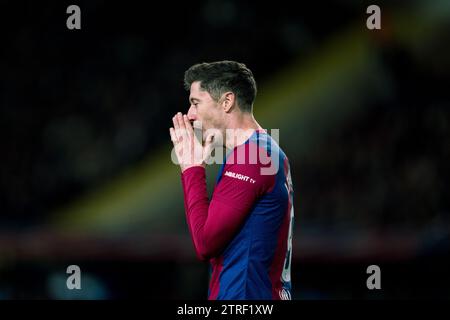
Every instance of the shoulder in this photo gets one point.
(245, 167)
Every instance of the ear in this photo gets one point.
(228, 101)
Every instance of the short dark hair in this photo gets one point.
(221, 76)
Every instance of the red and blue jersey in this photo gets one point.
(246, 229)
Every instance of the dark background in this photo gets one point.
(85, 167)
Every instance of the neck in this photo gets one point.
(240, 128)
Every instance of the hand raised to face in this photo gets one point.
(188, 149)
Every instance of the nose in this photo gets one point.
(192, 114)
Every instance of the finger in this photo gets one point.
(173, 136)
(188, 125)
(183, 135)
(178, 133)
(175, 123)
(209, 140)
(209, 147)
(180, 121)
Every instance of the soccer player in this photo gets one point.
(245, 231)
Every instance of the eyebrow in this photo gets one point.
(192, 100)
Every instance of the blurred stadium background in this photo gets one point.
(86, 176)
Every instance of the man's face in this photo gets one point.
(203, 108)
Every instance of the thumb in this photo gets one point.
(209, 139)
(209, 145)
